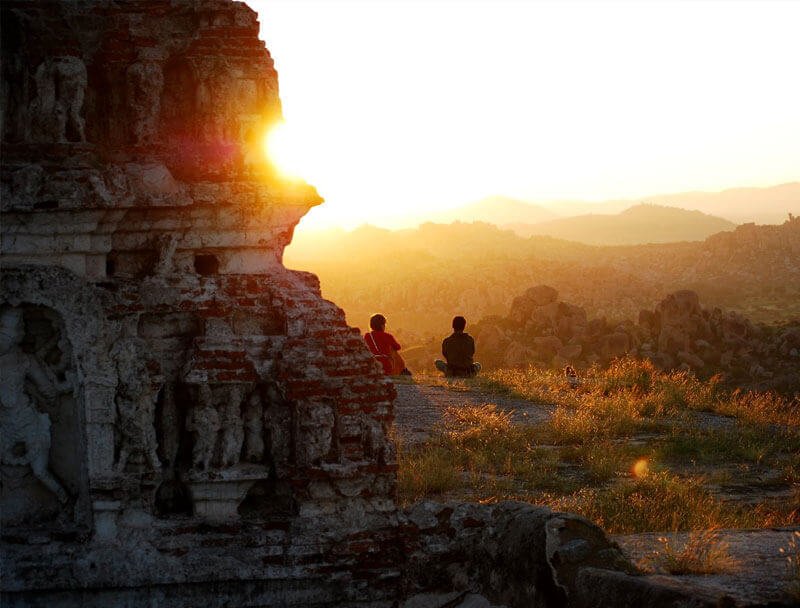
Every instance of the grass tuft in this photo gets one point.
(703, 552)
(792, 554)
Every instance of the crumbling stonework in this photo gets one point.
(162, 370)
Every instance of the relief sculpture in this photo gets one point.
(135, 403)
(203, 421)
(25, 437)
(232, 425)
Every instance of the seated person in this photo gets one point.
(458, 350)
(384, 347)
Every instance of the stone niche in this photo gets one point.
(170, 390)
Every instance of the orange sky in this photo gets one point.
(397, 108)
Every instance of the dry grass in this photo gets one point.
(657, 501)
(792, 554)
(760, 408)
(581, 460)
(746, 443)
(533, 384)
(479, 449)
(425, 471)
(605, 460)
(703, 552)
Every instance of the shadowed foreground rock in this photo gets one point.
(184, 421)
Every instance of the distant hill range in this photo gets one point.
(497, 210)
(637, 225)
(770, 205)
(421, 277)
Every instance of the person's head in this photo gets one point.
(459, 323)
(377, 322)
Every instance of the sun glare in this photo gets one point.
(618, 100)
(284, 150)
(640, 468)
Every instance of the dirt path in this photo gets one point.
(419, 407)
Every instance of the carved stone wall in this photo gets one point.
(162, 371)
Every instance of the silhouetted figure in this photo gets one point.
(458, 350)
(384, 347)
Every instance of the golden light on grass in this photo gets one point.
(640, 468)
(702, 552)
(285, 150)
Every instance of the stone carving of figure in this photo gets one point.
(203, 421)
(136, 399)
(254, 429)
(136, 404)
(25, 431)
(56, 111)
(232, 426)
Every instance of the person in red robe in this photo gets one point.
(384, 347)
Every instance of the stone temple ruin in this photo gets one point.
(184, 421)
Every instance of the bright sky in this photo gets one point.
(397, 108)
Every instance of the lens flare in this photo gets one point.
(284, 150)
(640, 468)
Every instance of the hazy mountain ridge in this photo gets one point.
(498, 210)
(644, 223)
(768, 205)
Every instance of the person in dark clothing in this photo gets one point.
(458, 350)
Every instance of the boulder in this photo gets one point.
(517, 355)
(547, 346)
(570, 352)
(523, 306)
(649, 320)
(541, 295)
(678, 306)
(573, 543)
(615, 345)
(690, 359)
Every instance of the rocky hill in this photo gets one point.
(420, 278)
(677, 334)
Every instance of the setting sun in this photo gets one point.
(411, 108)
(285, 150)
